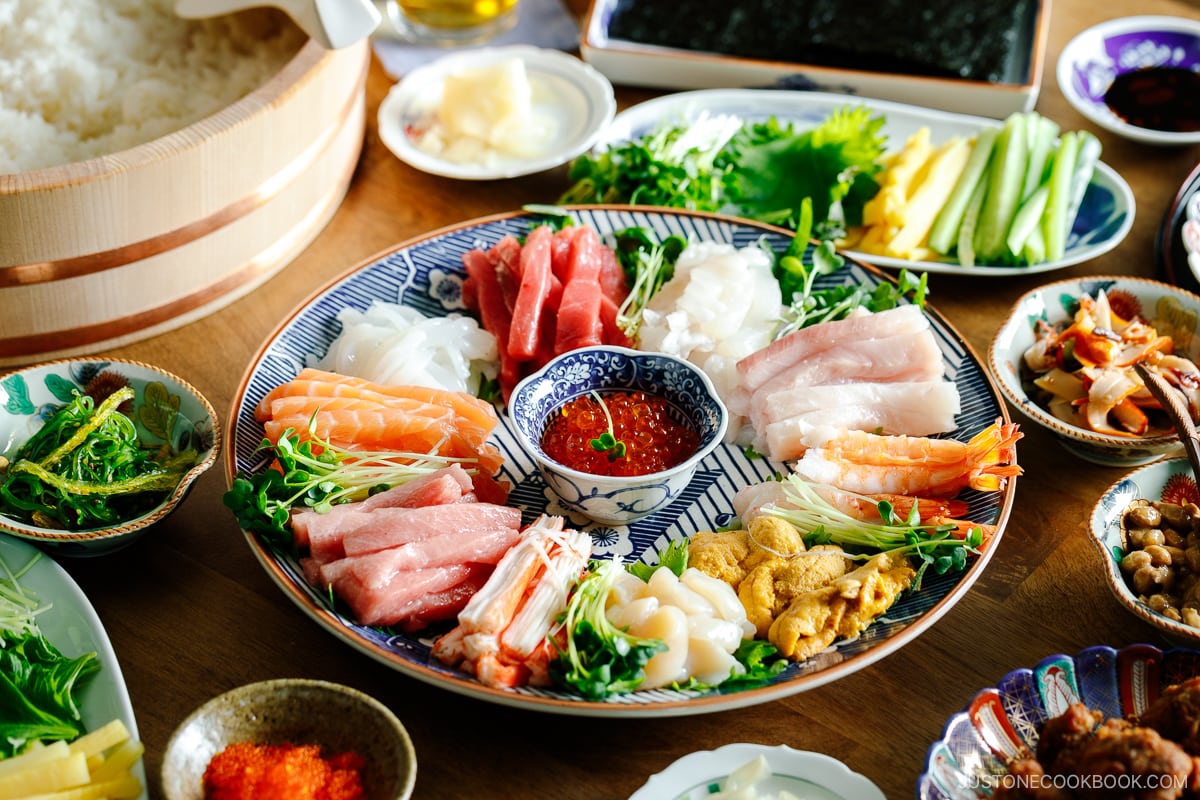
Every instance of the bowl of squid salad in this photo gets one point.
(1065, 359)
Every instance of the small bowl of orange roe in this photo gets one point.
(617, 433)
(290, 739)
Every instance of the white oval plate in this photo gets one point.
(1104, 218)
(577, 97)
(72, 626)
(813, 776)
(426, 273)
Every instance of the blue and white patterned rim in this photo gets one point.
(426, 274)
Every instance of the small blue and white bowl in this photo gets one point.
(1091, 61)
(167, 411)
(604, 369)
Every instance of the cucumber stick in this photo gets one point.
(1042, 135)
(970, 218)
(943, 236)
(1027, 219)
(1054, 222)
(1006, 176)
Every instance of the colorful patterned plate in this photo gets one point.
(426, 273)
(968, 762)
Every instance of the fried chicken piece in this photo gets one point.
(1176, 715)
(1122, 750)
(841, 609)
(772, 585)
(1067, 731)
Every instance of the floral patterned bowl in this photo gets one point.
(969, 761)
(1172, 311)
(1170, 480)
(166, 412)
(605, 499)
(1091, 61)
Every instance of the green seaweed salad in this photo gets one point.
(86, 468)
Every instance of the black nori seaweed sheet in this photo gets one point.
(982, 40)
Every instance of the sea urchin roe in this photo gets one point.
(653, 440)
(249, 771)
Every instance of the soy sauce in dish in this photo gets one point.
(1158, 98)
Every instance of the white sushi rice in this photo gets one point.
(83, 78)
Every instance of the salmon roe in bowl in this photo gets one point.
(617, 433)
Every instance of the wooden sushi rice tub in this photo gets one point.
(105, 251)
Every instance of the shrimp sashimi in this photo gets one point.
(911, 465)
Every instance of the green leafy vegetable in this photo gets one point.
(674, 558)
(38, 685)
(86, 468)
(760, 170)
(599, 659)
(317, 474)
(936, 547)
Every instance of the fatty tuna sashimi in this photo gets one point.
(612, 277)
(760, 366)
(447, 485)
(439, 606)
(577, 321)
(394, 527)
(385, 604)
(373, 570)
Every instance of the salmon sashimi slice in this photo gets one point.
(312, 382)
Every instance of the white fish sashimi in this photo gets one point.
(762, 365)
(790, 438)
(917, 408)
(394, 344)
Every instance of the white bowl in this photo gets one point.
(167, 411)
(1091, 61)
(603, 368)
(1172, 311)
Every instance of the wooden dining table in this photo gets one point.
(191, 613)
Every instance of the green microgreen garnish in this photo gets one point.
(607, 442)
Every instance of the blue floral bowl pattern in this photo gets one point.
(969, 761)
(1173, 312)
(166, 410)
(1092, 60)
(617, 500)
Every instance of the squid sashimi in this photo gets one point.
(868, 463)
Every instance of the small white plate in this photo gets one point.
(578, 98)
(813, 776)
(1105, 215)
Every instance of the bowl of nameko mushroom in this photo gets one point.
(93, 452)
(1137, 77)
(268, 735)
(1146, 531)
(107, 160)
(1065, 355)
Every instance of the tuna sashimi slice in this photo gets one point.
(401, 526)
(536, 274)
(374, 570)
(439, 606)
(372, 606)
(577, 322)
